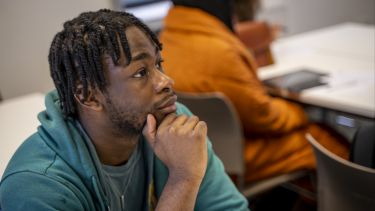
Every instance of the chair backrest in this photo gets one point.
(224, 127)
(226, 134)
(363, 146)
(342, 185)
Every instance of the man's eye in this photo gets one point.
(143, 72)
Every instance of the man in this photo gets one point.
(202, 54)
(113, 111)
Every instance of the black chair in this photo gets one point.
(342, 185)
(363, 146)
(226, 135)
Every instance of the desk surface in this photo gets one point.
(346, 52)
(18, 120)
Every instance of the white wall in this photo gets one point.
(26, 31)
(304, 15)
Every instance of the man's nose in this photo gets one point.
(163, 83)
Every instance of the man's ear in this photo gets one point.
(91, 102)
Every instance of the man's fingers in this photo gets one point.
(201, 129)
(180, 120)
(191, 123)
(167, 120)
(149, 131)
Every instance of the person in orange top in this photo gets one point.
(256, 35)
(202, 54)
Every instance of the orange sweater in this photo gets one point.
(201, 54)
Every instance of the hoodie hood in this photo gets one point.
(64, 138)
(67, 141)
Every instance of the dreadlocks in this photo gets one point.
(76, 52)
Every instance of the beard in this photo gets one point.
(126, 122)
(130, 121)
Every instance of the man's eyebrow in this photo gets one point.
(145, 55)
(141, 56)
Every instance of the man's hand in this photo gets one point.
(180, 143)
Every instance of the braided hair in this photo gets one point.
(76, 52)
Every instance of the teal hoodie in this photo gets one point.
(53, 170)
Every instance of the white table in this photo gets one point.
(18, 120)
(346, 52)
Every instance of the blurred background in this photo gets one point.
(27, 28)
(345, 51)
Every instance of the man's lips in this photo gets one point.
(168, 105)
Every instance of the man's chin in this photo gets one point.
(160, 117)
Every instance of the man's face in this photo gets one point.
(139, 88)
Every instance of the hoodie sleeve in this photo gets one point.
(217, 191)
(44, 193)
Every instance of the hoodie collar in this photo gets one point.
(64, 137)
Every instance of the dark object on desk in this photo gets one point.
(342, 185)
(363, 147)
(296, 81)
